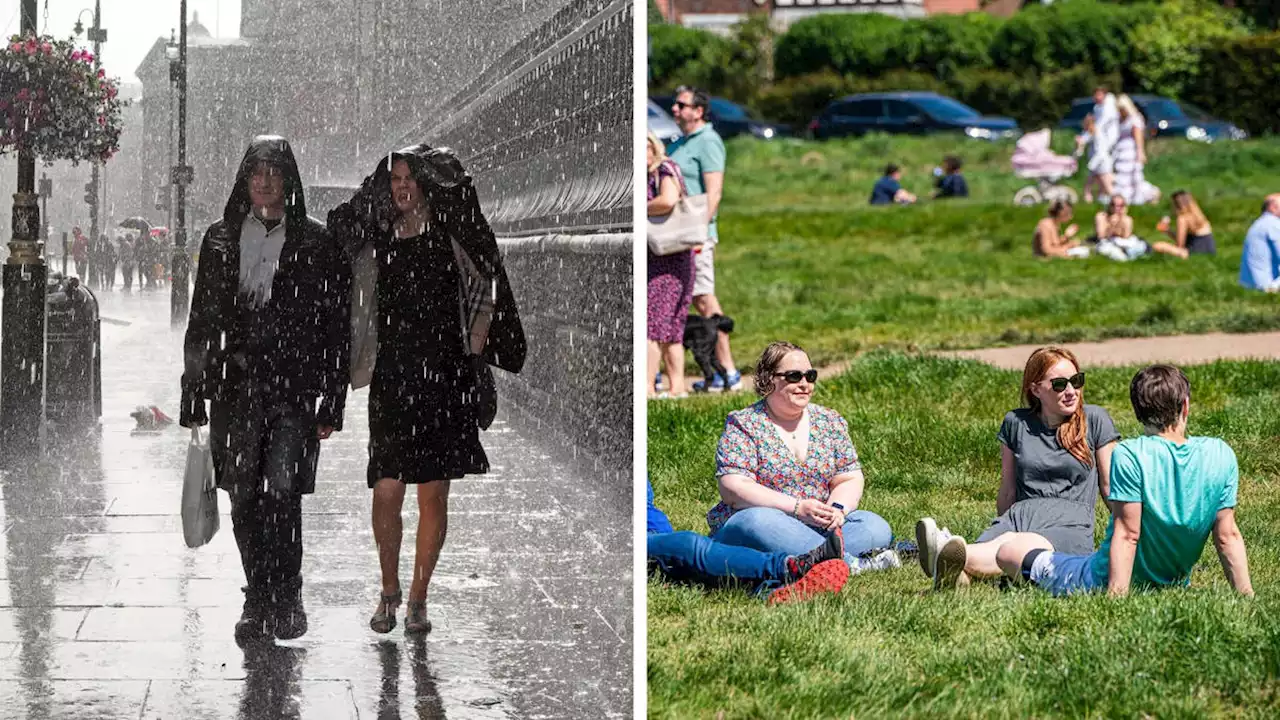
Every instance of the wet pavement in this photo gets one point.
(105, 613)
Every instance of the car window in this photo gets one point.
(857, 108)
(725, 110)
(900, 110)
(944, 108)
(1079, 109)
(1161, 110)
(655, 111)
(1196, 113)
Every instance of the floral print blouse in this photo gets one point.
(752, 446)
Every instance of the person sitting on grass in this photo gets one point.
(1191, 231)
(1260, 261)
(888, 189)
(690, 558)
(1169, 493)
(1114, 228)
(788, 473)
(950, 183)
(1055, 456)
(1051, 242)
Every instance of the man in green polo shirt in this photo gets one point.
(700, 155)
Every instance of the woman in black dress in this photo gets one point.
(430, 246)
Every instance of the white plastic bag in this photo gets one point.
(199, 493)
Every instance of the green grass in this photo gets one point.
(925, 431)
(804, 257)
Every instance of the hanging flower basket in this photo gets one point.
(54, 103)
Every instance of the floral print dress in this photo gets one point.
(751, 446)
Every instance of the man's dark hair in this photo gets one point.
(952, 163)
(890, 169)
(1157, 393)
(699, 99)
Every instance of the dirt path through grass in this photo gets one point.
(1177, 349)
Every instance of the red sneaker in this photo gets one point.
(826, 577)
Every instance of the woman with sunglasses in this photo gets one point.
(1055, 460)
(788, 473)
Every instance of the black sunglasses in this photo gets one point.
(1060, 383)
(795, 376)
(682, 105)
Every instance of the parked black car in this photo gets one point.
(1165, 118)
(731, 119)
(915, 113)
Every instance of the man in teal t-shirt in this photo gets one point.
(1168, 494)
(700, 155)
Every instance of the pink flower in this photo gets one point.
(24, 94)
(47, 48)
(102, 120)
(102, 73)
(16, 47)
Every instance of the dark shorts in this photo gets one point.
(1201, 245)
(1066, 524)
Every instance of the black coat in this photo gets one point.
(370, 214)
(296, 348)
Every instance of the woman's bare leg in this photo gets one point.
(388, 528)
(433, 522)
(1107, 181)
(653, 357)
(673, 358)
(1161, 246)
(1015, 548)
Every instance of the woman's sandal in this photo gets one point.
(415, 618)
(384, 620)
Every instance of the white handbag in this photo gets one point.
(199, 492)
(684, 228)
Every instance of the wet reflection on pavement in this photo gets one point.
(104, 612)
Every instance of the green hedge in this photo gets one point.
(1034, 100)
(1240, 81)
(674, 52)
(1040, 38)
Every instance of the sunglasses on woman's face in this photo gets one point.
(1060, 383)
(794, 376)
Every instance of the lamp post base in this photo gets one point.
(22, 361)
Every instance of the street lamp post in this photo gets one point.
(181, 176)
(22, 343)
(98, 36)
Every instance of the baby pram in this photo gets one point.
(1033, 160)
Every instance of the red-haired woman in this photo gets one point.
(1055, 459)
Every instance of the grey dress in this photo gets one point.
(1054, 492)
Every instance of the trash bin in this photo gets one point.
(73, 355)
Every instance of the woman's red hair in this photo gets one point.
(1072, 434)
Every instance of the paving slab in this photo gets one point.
(1176, 349)
(105, 613)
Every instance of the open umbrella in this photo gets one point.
(136, 223)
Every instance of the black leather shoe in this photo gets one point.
(290, 615)
(256, 624)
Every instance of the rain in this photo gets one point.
(390, 319)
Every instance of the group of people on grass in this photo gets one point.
(1114, 237)
(790, 526)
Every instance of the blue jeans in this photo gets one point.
(772, 531)
(697, 559)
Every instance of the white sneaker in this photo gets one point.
(927, 544)
(949, 564)
(883, 560)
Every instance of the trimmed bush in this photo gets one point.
(672, 48)
(849, 44)
(1238, 82)
(1167, 50)
(1064, 35)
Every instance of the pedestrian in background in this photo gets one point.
(267, 344)
(670, 277)
(700, 155)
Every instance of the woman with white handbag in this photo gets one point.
(670, 266)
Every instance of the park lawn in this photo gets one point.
(886, 647)
(804, 258)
